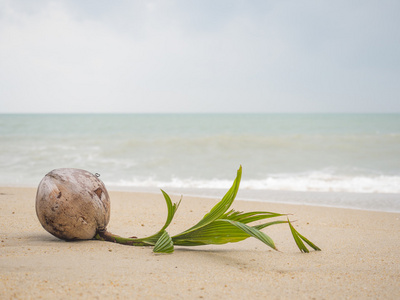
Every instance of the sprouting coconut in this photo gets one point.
(72, 204)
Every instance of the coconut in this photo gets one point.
(72, 204)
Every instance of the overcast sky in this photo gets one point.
(199, 56)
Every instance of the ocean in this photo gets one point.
(355, 155)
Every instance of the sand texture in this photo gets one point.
(360, 257)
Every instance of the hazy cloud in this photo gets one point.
(199, 56)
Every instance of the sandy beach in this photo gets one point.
(360, 257)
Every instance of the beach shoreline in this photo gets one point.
(379, 202)
(360, 255)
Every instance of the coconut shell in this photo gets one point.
(72, 204)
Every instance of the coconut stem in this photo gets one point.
(104, 235)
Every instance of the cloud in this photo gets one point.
(177, 56)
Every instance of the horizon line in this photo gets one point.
(198, 113)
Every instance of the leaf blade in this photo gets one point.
(222, 231)
(254, 232)
(217, 233)
(297, 239)
(221, 207)
(172, 208)
(250, 217)
(312, 245)
(164, 244)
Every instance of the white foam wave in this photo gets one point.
(328, 183)
(318, 182)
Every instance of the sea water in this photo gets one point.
(200, 153)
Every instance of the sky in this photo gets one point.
(219, 56)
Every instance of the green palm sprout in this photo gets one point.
(219, 226)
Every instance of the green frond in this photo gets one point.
(221, 231)
(216, 227)
(254, 233)
(221, 207)
(218, 232)
(172, 208)
(298, 238)
(164, 244)
(264, 225)
(250, 216)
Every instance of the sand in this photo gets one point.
(360, 257)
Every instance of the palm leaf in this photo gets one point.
(250, 216)
(312, 245)
(223, 231)
(221, 207)
(298, 238)
(164, 244)
(262, 226)
(172, 208)
(216, 227)
(254, 232)
(217, 232)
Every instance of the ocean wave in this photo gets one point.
(315, 181)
